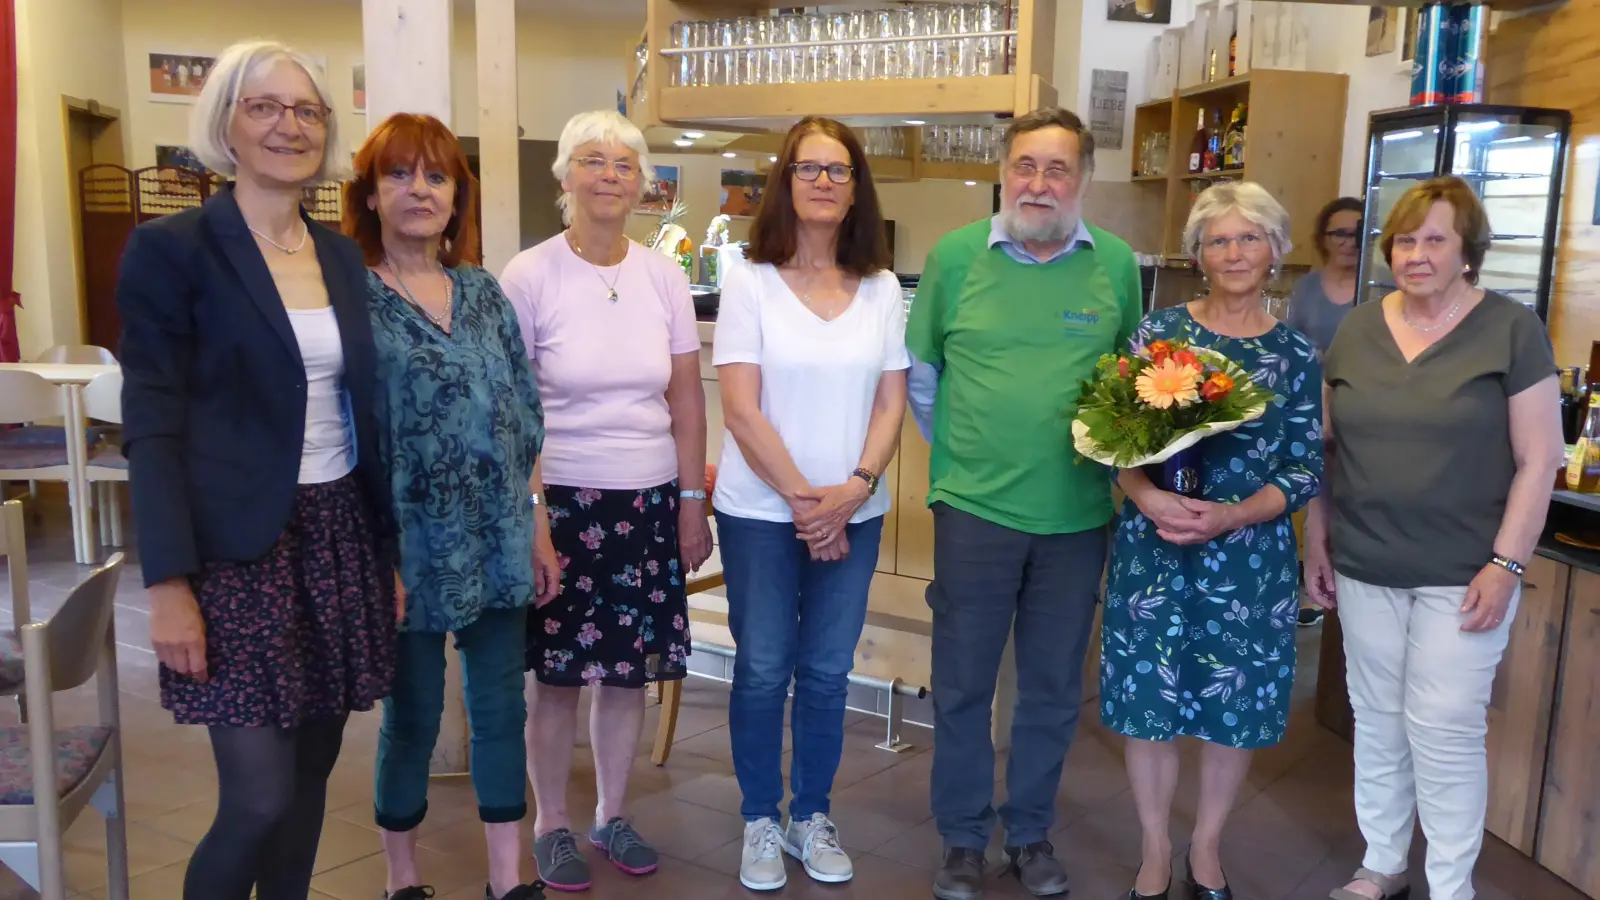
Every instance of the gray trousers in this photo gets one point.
(988, 583)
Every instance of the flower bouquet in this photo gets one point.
(1152, 407)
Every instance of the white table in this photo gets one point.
(71, 377)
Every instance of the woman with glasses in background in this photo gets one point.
(611, 331)
(811, 358)
(1322, 299)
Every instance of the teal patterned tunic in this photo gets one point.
(1199, 639)
(460, 427)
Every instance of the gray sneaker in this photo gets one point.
(624, 847)
(561, 866)
(1038, 869)
(961, 876)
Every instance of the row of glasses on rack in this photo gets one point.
(927, 40)
(962, 143)
(1153, 150)
(884, 142)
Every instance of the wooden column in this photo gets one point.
(497, 132)
(407, 44)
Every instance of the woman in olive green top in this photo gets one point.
(1442, 442)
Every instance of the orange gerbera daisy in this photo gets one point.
(1166, 384)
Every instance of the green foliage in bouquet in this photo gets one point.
(1137, 405)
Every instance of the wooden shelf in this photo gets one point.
(1235, 174)
(1149, 179)
(1155, 104)
(948, 171)
(1221, 86)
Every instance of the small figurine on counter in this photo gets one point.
(672, 240)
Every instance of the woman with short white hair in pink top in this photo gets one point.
(610, 330)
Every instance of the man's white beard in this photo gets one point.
(1048, 230)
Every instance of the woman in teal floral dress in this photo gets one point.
(1199, 628)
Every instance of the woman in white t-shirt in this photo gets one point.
(811, 357)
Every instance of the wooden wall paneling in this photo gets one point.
(914, 540)
(888, 542)
(1569, 824)
(1548, 59)
(1294, 156)
(1522, 703)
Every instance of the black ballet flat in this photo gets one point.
(1198, 891)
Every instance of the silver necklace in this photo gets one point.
(1428, 329)
(305, 233)
(611, 286)
(449, 296)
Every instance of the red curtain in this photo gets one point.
(9, 299)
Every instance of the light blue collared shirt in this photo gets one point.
(922, 382)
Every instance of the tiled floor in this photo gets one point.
(1293, 836)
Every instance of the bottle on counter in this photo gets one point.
(1583, 466)
(1233, 52)
(1233, 141)
(1197, 146)
(1572, 404)
(1213, 155)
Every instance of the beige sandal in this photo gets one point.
(1390, 887)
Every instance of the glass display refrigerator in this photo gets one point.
(1514, 157)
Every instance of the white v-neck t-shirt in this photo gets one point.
(818, 380)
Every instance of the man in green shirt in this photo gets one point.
(1010, 316)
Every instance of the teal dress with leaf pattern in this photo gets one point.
(1200, 639)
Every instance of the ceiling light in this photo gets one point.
(972, 184)
(772, 159)
(694, 135)
(915, 122)
(683, 143)
(729, 154)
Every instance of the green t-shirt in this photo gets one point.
(1014, 342)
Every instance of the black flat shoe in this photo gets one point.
(1198, 891)
(1133, 894)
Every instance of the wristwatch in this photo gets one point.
(868, 477)
(692, 495)
(535, 501)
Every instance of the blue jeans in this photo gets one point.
(795, 619)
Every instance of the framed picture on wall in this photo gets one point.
(1406, 41)
(178, 77)
(358, 86)
(741, 192)
(1383, 25)
(659, 195)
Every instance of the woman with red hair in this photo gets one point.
(460, 428)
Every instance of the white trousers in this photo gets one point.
(1419, 686)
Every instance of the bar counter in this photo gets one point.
(1544, 712)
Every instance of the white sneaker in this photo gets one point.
(761, 866)
(815, 842)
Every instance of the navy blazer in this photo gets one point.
(214, 388)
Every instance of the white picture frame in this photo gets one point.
(1406, 40)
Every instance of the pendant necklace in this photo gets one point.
(304, 234)
(449, 296)
(611, 286)
(1448, 318)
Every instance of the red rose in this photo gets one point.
(1216, 387)
(1159, 351)
(1187, 358)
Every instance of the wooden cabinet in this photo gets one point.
(1295, 156)
(1569, 823)
(1522, 703)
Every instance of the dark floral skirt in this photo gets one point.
(622, 617)
(305, 633)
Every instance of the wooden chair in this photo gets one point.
(671, 692)
(107, 467)
(47, 776)
(13, 545)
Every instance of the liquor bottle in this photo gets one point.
(1233, 52)
(1583, 466)
(1211, 64)
(1213, 155)
(1197, 147)
(1233, 144)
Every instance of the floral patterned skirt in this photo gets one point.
(621, 618)
(305, 633)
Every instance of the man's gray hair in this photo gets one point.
(213, 111)
(1248, 199)
(601, 126)
(1052, 117)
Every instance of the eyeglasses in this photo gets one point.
(597, 165)
(1248, 241)
(1054, 174)
(838, 173)
(266, 109)
(1341, 234)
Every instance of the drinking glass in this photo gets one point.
(861, 26)
(964, 20)
(990, 16)
(759, 64)
(679, 38)
(1012, 24)
(722, 32)
(839, 54)
(814, 62)
(788, 31)
(743, 37)
(885, 54)
(699, 40)
(935, 25)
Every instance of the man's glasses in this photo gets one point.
(266, 109)
(838, 173)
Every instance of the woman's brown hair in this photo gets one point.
(863, 249)
(1471, 222)
(401, 141)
